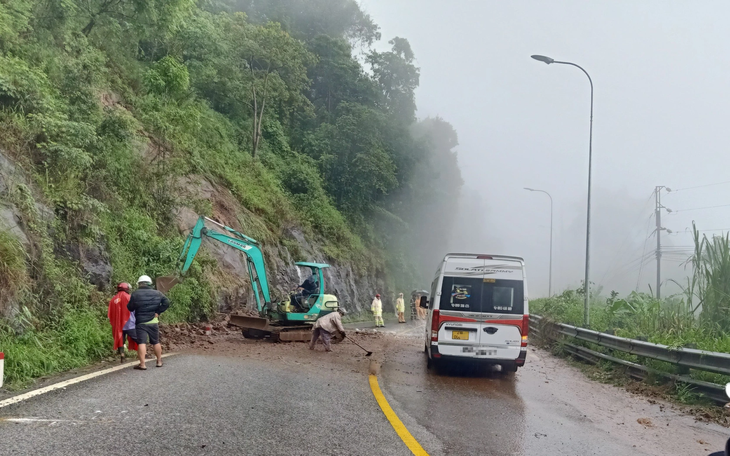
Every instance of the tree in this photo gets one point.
(275, 65)
(307, 19)
(398, 78)
(337, 76)
(355, 161)
(132, 11)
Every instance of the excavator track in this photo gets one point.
(260, 328)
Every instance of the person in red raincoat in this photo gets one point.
(118, 317)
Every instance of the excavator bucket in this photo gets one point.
(244, 322)
(165, 284)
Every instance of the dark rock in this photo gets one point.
(94, 260)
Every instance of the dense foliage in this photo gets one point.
(113, 108)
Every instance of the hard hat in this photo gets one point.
(342, 311)
(377, 295)
(124, 286)
(144, 279)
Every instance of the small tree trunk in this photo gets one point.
(86, 30)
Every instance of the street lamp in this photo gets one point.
(550, 274)
(587, 287)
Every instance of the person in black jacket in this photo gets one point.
(147, 305)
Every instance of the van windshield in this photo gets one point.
(470, 294)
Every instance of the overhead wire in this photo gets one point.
(700, 186)
(700, 208)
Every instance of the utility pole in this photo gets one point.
(658, 217)
(659, 207)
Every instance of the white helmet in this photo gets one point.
(144, 279)
(342, 311)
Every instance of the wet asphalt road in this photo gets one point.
(290, 401)
(205, 405)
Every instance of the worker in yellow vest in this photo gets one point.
(377, 308)
(400, 307)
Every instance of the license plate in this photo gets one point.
(487, 352)
(460, 335)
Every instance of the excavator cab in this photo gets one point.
(318, 302)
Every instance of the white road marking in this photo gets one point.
(34, 420)
(64, 384)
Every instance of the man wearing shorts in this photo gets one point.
(147, 305)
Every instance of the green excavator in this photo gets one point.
(286, 320)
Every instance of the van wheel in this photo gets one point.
(509, 368)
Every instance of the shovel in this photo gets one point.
(367, 353)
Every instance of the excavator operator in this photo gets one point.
(309, 287)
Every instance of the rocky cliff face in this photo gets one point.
(353, 288)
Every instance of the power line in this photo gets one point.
(699, 208)
(700, 186)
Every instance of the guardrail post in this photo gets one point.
(684, 370)
(642, 359)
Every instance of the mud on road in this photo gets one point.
(548, 407)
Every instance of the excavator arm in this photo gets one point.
(239, 241)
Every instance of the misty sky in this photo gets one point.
(661, 72)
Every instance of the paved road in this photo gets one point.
(206, 405)
(244, 397)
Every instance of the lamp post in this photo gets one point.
(587, 287)
(550, 273)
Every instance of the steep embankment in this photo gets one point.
(121, 122)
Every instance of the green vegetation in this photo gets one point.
(118, 113)
(698, 319)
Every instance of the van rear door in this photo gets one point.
(502, 313)
(459, 311)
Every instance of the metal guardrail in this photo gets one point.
(686, 358)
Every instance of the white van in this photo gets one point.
(478, 311)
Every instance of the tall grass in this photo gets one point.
(80, 337)
(708, 289)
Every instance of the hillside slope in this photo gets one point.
(121, 121)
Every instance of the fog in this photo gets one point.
(662, 97)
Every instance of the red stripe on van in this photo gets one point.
(517, 323)
(452, 318)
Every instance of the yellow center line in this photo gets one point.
(397, 424)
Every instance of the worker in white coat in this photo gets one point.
(377, 308)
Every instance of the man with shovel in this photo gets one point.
(325, 326)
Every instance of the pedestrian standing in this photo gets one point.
(325, 326)
(377, 308)
(400, 307)
(420, 310)
(119, 316)
(147, 304)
